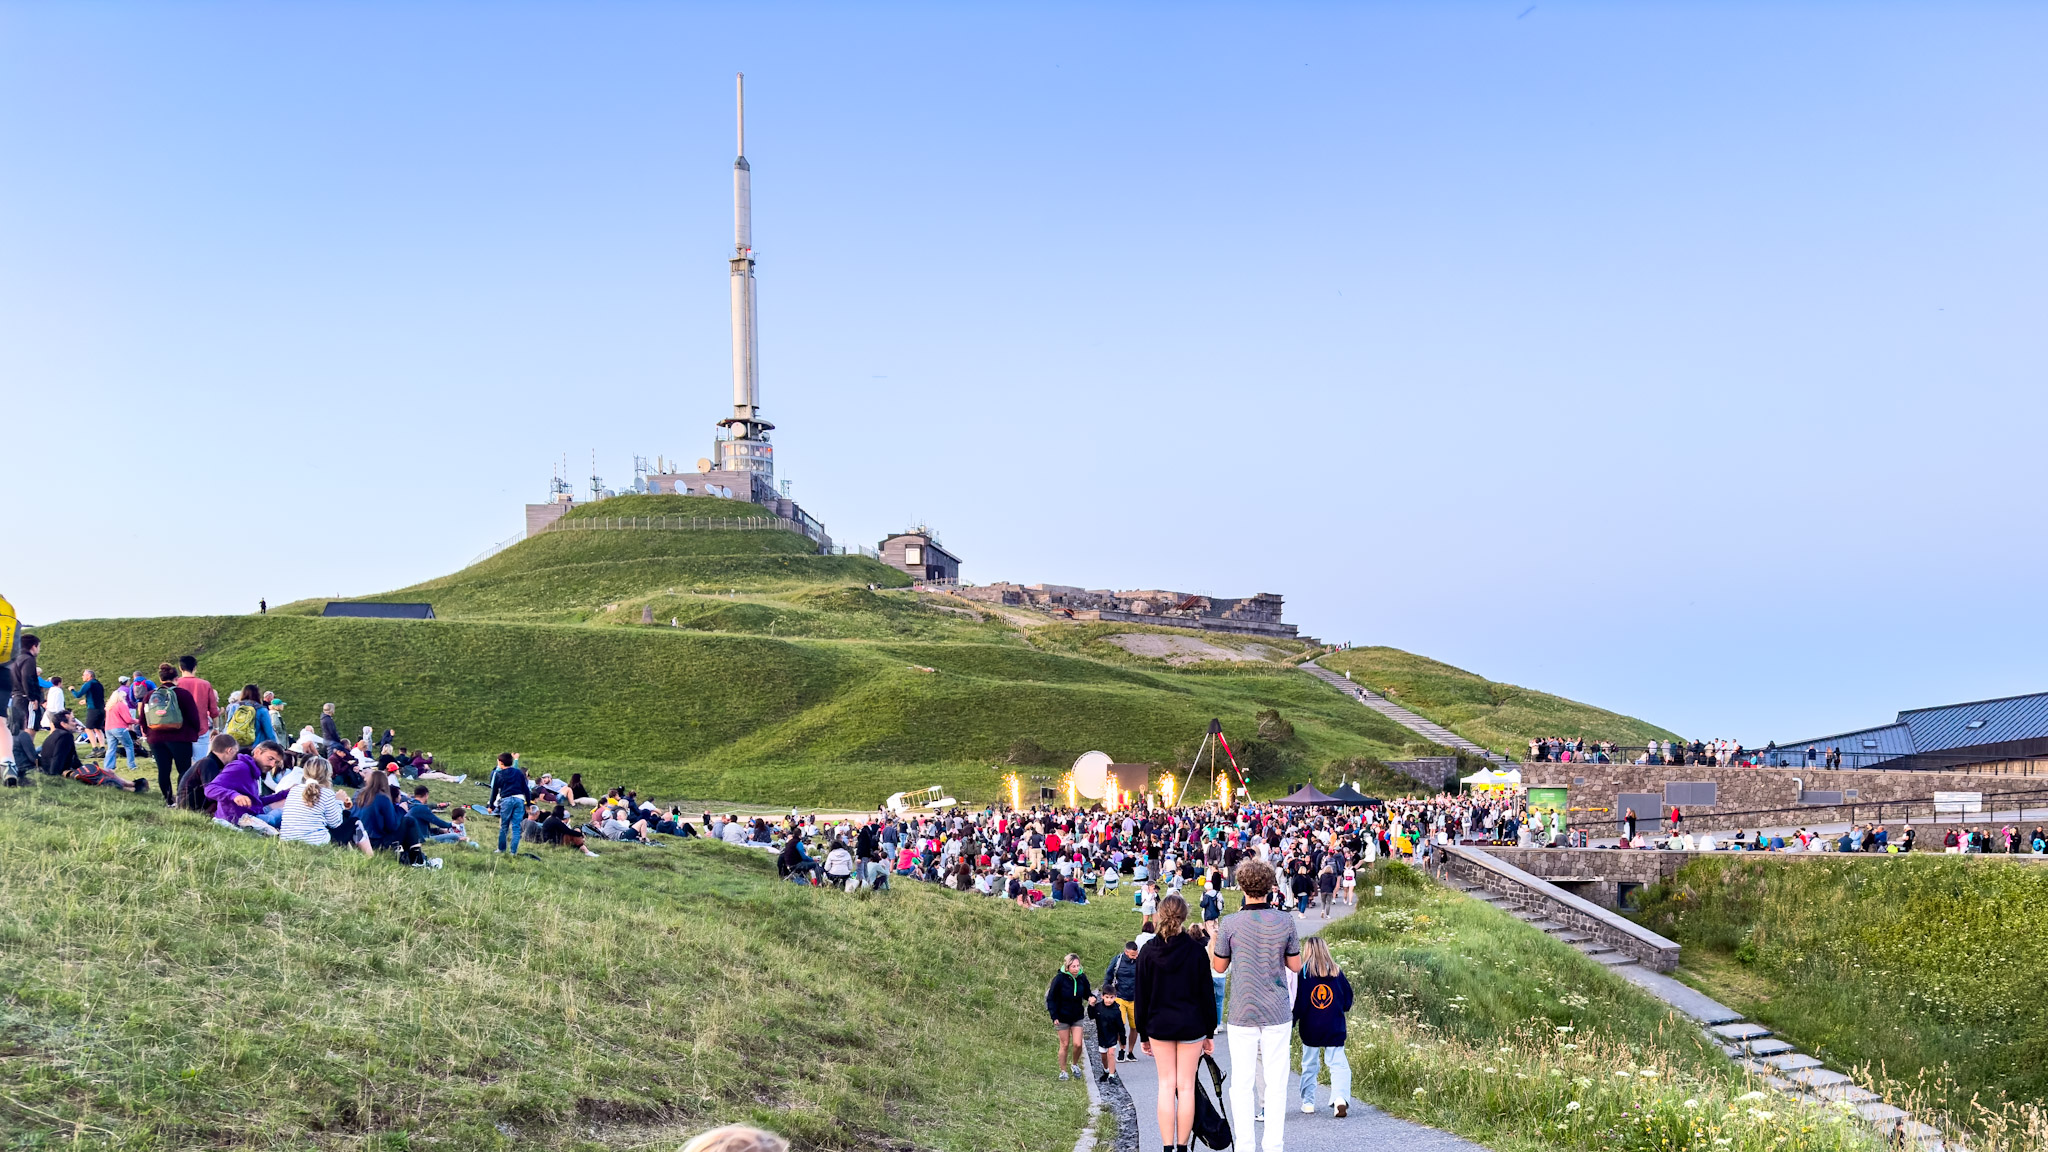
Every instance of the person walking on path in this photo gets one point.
(120, 731)
(1120, 984)
(1176, 1017)
(1321, 998)
(1066, 1001)
(1258, 946)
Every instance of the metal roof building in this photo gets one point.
(1952, 735)
(376, 610)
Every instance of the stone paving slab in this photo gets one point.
(1766, 1047)
(1817, 1078)
(1686, 999)
(1792, 1062)
(1743, 1030)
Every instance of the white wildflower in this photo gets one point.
(1418, 1091)
(1564, 1027)
(1572, 1107)
(1692, 1103)
(1750, 1095)
(1647, 1072)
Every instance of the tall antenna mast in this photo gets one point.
(739, 82)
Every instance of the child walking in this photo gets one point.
(1109, 1032)
(1321, 998)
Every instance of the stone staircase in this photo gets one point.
(1777, 1063)
(1428, 730)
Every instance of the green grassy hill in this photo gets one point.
(1922, 962)
(169, 985)
(1502, 717)
(788, 677)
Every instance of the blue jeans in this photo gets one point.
(120, 739)
(1312, 1061)
(511, 818)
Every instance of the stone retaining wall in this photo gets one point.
(1532, 893)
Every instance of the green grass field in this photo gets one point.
(169, 984)
(1501, 717)
(1902, 964)
(787, 678)
(1469, 1020)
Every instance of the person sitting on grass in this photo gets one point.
(556, 829)
(1066, 1001)
(737, 1138)
(794, 864)
(838, 864)
(428, 828)
(377, 815)
(237, 793)
(315, 813)
(192, 786)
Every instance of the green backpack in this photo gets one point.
(161, 710)
(242, 725)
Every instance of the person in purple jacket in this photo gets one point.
(238, 791)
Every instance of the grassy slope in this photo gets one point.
(1474, 1022)
(1918, 962)
(806, 687)
(1502, 717)
(168, 985)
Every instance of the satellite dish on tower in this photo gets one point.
(1091, 774)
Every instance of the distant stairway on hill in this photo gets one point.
(1429, 730)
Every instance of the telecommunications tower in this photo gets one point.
(745, 447)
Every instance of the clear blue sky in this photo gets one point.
(1686, 359)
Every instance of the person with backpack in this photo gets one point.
(1176, 1016)
(1120, 983)
(204, 695)
(1321, 998)
(247, 720)
(172, 720)
(1066, 1001)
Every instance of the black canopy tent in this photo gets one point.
(1349, 795)
(1308, 795)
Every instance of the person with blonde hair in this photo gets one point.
(1176, 1017)
(737, 1138)
(1321, 998)
(312, 810)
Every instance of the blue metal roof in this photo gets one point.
(2009, 718)
(1942, 729)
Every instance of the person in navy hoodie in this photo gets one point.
(1321, 998)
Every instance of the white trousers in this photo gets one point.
(1265, 1050)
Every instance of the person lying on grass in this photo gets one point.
(60, 756)
(239, 800)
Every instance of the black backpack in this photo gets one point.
(1212, 1125)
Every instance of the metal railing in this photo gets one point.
(674, 524)
(1991, 809)
(855, 550)
(1795, 759)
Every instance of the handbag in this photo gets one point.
(1212, 1124)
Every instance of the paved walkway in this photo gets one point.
(1367, 1129)
(1427, 729)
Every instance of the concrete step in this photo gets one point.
(1593, 947)
(1571, 937)
(1614, 959)
(1741, 1030)
(1849, 1092)
(1817, 1078)
(1550, 926)
(1766, 1047)
(1878, 1112)
(1792, 1062)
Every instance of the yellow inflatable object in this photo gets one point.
(8, 624)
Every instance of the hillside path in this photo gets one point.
(1428, 729)
(1367, 1129)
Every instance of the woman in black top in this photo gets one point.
(1176, 1016)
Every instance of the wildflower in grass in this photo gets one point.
(1621, 1072)
(1564, 1027)
(1419, 1091)
(1572, 1107)
(1750, 1095)
(1761, 1114)
(1692, 1103)
(1647, 1072)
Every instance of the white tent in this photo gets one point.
(1487, 777)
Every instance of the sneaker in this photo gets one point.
(589, 853)
(1065, 1075)
(1343, 1109)
(1307, 1108)
(1102, 1077)
(1077, 1069)
(462, 779)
